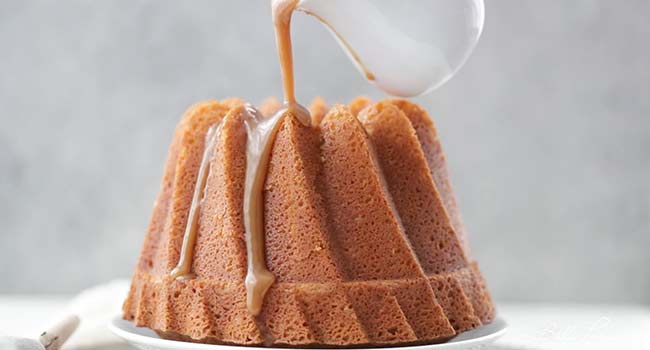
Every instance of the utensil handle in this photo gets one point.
(55, 336)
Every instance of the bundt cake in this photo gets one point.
(361, 235)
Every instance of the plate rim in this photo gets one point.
(131, 337)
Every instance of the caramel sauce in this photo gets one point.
(261, 133)
(282, 10)
(184, 268)
(261, 136)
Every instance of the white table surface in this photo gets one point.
(532, 326)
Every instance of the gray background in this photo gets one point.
(546, 130)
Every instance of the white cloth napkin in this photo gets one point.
(96, 306)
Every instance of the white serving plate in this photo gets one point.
(146, 339)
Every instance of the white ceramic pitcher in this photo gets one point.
(406, 47)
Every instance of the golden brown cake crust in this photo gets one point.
(318, 109)
(361, 227)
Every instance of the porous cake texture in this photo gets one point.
(362, 233)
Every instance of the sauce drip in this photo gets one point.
(261, 136)
(281, 10)
(184, 267)
(261, 133)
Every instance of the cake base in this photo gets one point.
(351, 314)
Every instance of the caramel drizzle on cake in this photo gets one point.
(261, 136)
(184, 268)
(261, 133)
